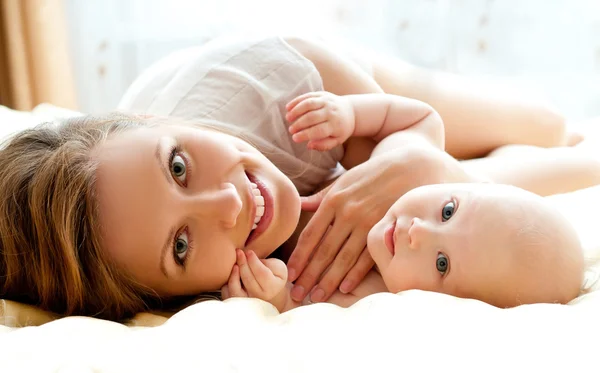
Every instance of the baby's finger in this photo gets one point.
(225, 292)
(309, 120)
(234, 284)
(277, 267)
(323, 144)
(320, 131)
(248, 279)
(290, 105)
(304, 107)
(262, 274)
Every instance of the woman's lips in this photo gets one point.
(268, 214)
(389, 238)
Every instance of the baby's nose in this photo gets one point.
(418, 233)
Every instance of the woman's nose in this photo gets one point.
(223, 205)
(420, 234)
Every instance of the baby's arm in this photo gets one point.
(326, 120)
(378, 115)
(266, 279)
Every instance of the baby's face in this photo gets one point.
(498, 244)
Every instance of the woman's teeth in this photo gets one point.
(260, 205)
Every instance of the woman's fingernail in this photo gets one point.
(297, 293)
(291, 274)
(345, 286)
(317, 295)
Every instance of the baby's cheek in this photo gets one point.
(399, 277)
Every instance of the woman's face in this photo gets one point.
(176, 201)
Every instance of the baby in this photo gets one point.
(495, 243)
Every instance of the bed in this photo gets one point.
(410, 331)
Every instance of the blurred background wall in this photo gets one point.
(551, 47)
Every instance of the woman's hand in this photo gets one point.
(332, 247)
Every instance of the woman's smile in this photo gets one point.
(262, 208)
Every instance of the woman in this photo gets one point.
(84, 216)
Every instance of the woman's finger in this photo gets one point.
(345, 259)
(358, 272)
(308, 240)
(311, 203)
(323, 256)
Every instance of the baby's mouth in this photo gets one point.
(389, 238)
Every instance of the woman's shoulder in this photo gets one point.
(245, 83)
(259, 68)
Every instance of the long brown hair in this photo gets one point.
(51, 252)
(50, 249)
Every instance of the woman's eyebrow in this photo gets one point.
(162, 164)
(158, 152)
(165, 250)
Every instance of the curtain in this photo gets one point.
(35, 64)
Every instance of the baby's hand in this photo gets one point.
(256, 278)
(323, 119)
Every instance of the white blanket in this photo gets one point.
(412, 331)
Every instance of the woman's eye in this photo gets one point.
(180, 247)
(441, 264)
(178, 168)
(448, 211)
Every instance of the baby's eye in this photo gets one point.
(178, 169)
(441, 264)
(180, 248)
(448, 211)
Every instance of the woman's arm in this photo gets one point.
(493, 114)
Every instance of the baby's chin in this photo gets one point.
(376, 244)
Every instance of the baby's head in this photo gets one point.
(496, 243)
